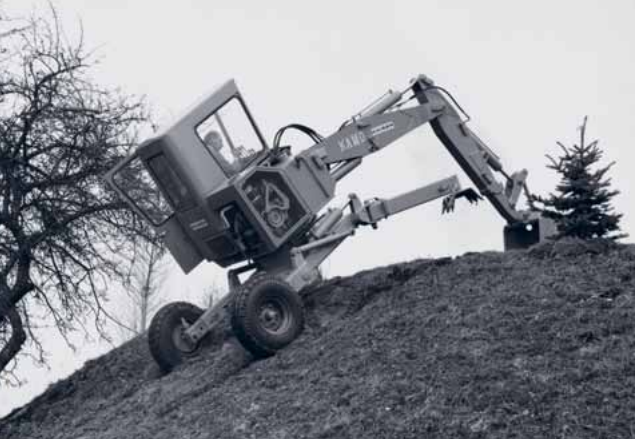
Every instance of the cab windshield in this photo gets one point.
(230, 136)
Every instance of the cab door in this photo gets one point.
(137, 184)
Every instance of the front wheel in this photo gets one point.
(166, 336)
(266, 315)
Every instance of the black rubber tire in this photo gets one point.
(265, 293)
(162, 333)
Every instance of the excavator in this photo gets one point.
(214, 190)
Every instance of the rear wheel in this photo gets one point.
(266, 315)
(166, 336)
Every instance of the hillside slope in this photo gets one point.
(522, 344)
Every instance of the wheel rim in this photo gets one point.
(274, 315)
(181, 341)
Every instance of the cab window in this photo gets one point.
(137, 184)
(229, 135)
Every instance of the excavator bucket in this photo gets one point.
(524, 235)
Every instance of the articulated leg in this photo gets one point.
(210, 318)
(307, 258)
(376, 210)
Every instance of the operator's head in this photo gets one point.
(214, 139)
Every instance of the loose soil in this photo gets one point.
(536, 344)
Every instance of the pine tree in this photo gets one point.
(581, 206)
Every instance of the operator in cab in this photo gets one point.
(214, 140)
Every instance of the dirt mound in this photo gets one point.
(536, 343)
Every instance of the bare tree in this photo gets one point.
(211, 294)
(63, 234)
(144, 285)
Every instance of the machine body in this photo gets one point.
(214, 189)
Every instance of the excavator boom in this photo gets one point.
(386, 121)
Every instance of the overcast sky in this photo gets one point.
(527, 72)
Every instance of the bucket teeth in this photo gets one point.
(469, 194)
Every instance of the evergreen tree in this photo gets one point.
(581, 205)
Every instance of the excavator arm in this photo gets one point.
(475, 158)
(387, 120)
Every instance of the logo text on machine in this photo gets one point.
(360, 137)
